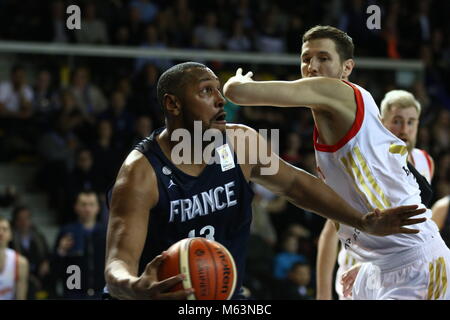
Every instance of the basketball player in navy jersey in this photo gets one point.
(155, 203)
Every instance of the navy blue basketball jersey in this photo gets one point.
(215, 205)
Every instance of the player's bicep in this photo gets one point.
(134, 194)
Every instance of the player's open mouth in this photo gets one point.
(221, 117)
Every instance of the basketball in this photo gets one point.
(209, 268)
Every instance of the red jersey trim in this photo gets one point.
(427, 156)
(351, 132)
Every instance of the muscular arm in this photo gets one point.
(309, 192)
(22, 283)
(319, 93)
(326, 260)
(134, 193)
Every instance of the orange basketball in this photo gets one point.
(209, 268)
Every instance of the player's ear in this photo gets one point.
(349, 64)
(171, 104)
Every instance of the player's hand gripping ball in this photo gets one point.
(208, 266)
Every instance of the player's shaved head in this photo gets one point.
(173, 80)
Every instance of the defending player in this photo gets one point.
(362, 161)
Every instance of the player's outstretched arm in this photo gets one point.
(309, 192)
(319, 93)
(134, 194)
(326, 260)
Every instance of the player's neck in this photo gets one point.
(188, 145)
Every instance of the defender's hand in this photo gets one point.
(348, 279)
(392, 220)
(238, 78)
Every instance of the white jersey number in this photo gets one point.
(206, 231)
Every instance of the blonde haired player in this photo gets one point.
(400, 113)
(13, 267)
(363, 162)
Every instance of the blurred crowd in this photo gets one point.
(76, 119)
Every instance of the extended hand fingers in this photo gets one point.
(168, 283)
(406, 230)
(403, 209)
(415, 212)
(249, 74)
(239, 72)
(414, 221)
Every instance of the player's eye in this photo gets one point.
(206, 90)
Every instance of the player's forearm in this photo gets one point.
(313, 92)
(313, 194)
(258, 93)
(119, 280)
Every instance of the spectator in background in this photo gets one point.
(148, 10)
(296, 286)
(43, 102)
(54, 28)
(153, 39)
(145, 100)
(238, 40)
(16, 111)
(9, 196)
(82, 177)
(13, 266)
(16, 95)
(271, 36)
(295, 28)
(121, 120)
(180, 19)
(121, 36)
(441, 131)
(93, 29)
(287, 256)
(142, 129)
(107, 154)
(83, 244)
(88, 97)
(30, 242)
(123, 86)
(244, 12)
(57, 151)
(208, 35)
(71, 116)
(135, 26)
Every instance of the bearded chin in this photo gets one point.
(410, 146)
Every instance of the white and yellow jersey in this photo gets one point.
(368, 168)
(421, 160)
